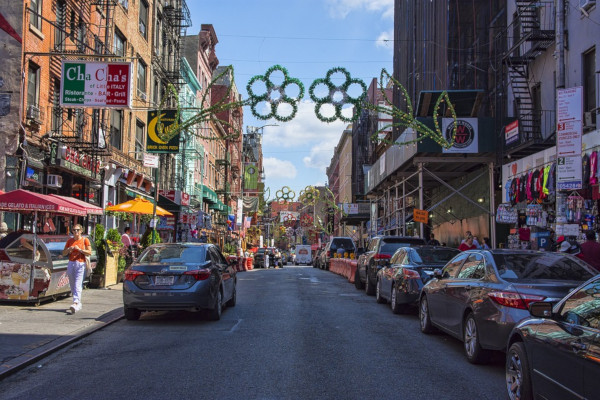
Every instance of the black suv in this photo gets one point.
(336, 245)
(379, 252)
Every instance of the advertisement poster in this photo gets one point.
(467, 135)
(569, 106)
(163, 132)
(93, 84)
(511, 132)
(568, 173)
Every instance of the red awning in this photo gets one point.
(25, 201)
(89, 208)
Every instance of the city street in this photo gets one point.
(295, 333)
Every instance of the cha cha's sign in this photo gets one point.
(95, 84)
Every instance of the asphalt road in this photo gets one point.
(295, 333)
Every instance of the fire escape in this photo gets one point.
(530, 34)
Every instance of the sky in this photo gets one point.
(307, 37)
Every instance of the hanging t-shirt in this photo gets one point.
(507, 187)
(534, 184)
(528, 187)
(585, 170)
(552, 179)
(545, 182)
(594, 168)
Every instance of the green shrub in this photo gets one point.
(146, 239)
(100, 249)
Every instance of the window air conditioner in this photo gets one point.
(33, 112)
(586, 4)
(54, 181)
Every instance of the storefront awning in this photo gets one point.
(209, 195)
(136, 193)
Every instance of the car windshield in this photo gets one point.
(548, 265)
(173, 254)
(391, 245)
(433, 256)
(346, 244)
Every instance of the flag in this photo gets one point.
(251, 176)
(230, 222)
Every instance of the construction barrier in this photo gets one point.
(249, 262)
(343, 266)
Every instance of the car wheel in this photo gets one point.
(378, 298)
(475, 354)
(132, 314)
(360, 285)
(369, 287)
(396, 307)
(215, 313)
(424, 318)
(231, 302)
(518, 379)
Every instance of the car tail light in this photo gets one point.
(380, 256)
(131, 274)
(410, 273)
(199, 274)
(514, 300)
(4, 256)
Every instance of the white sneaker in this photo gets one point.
(74, 308)
(78, 306)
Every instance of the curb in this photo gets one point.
(24, 360)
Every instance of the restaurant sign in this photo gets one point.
(79, 162)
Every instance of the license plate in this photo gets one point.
(164, 280)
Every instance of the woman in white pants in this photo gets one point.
(77, 248)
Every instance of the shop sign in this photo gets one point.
(511, 132)
(79, 162)
(176, 196)
(163, 132)
(93, 84)
(350, 208)
(420, 215)
(151, 160)
(568, 173)
(34, 176)
(568, 138)
(466, 139)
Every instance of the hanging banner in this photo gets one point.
(163, 135)
(93, 84)
(568, 173)
(250, 176)
(151, 160)
(511, 132)
(569, 106)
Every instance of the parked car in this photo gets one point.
(316, 261)
(410, 268)
(338, 245)
(482, 294)
(556, 354)
(179, 276)
(379, 252)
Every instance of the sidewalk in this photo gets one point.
(28, 333)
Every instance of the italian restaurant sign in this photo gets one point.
(163, 132)
(79, 162)
(95, 84)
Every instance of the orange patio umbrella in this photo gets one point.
(138, 206)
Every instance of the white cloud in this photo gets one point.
(341, 8)
(276, 168)
(304, 130)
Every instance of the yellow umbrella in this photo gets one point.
(138, 206)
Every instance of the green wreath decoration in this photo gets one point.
(271, 87)
(309, 196)
(343, 89)
(285, 195)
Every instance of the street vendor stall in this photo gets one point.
(30, 267)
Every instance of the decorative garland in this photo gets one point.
(309, 196)
(306, 220)
(333, 89)
(255, 99)
(406, 119)
(285, 195)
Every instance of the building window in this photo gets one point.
(61, 22)
(156, 93)
(119, 44)
(144, 18)
(139, 140)
(141, 79)
(158, 36)
(116, 129)
(36, 14)
(589, 81)
(124, 3)
(33, 85)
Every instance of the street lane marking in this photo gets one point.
(235, 327)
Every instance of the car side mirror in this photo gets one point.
(437, 273)
(541, 309)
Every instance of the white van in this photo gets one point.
(303, 254)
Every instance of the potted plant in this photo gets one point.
(114, 246)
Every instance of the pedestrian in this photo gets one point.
(77, 248)
(433, 241)
(475, 242)
(467, 244)
(590, 250)
(125, 238)
(487, 245)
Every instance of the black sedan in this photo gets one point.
(410, 268)
(482, 294)
(179, 276)
(557, 354)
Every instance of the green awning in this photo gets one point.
(209, 195)
(136, 194)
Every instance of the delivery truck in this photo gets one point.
(303, 255)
